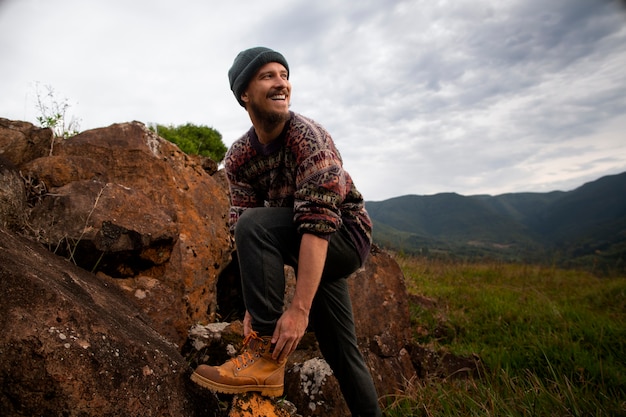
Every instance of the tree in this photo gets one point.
(194, 140)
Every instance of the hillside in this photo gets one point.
(587, 224)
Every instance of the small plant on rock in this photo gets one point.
(54, 114)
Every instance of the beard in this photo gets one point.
(268, 119)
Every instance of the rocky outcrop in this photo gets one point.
(21, 142)
(12, 197)
(126, 279)
(71, 346)
(127, 204)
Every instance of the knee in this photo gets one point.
(245, 224)
(260, 221)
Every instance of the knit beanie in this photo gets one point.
(247, 63)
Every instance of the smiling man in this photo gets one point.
(291, 203)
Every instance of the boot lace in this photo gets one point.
(250, 353)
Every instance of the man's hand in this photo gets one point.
(290, 329)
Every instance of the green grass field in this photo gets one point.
(553, 341)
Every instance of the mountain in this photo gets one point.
(575, 226)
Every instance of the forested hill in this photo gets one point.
(587, 224)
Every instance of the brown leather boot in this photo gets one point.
(253, 370)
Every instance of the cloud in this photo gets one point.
(421, 97)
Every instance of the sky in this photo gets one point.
(420, 96)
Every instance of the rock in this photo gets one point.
(441, 364)
(254, 405)
(71, 346)
(13, 207)
(126, 203)
(21, 142)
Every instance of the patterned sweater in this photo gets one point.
(301, 169)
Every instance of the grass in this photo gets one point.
(553, 341)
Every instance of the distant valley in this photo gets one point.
(584, 227)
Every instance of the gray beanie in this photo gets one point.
(247, 63)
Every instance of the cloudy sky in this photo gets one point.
(421, 96)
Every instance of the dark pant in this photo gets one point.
(266, 240)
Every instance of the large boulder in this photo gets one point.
(127, 204)
(71, 346)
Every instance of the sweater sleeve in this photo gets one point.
(242, 194)
(321, 182)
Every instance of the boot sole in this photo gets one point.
(267, 390)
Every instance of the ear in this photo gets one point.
(244, 97)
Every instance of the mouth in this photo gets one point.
(278, 95)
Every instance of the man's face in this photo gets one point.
(269, 92)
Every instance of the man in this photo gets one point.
(291, 203)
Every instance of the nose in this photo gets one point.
(282, 82)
